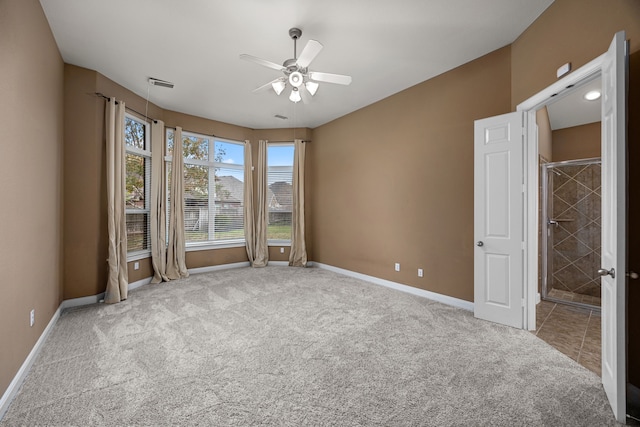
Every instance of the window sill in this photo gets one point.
(210, 246)
(135, 256)
(278, 242)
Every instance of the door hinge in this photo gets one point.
(523, 246)
(523, 302)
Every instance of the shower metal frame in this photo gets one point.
(544, 224)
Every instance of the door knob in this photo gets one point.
(632, 275)
(605, 272)
(480, 243)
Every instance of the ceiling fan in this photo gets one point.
(303, 82)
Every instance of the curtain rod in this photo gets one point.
(101, 95)
(305, 141)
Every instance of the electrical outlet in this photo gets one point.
(420, 273)
(397, 266)
(32, 317)
(136, 265)
(281, 250)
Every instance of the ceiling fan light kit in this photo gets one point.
(295, 95)
(278, 86)
(312, 87)
(296, 71)
(295, 79)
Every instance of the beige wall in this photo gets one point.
(85, 249)
(31, 88)
(393, 182)
(85, 195)
(544, 134)
(197, 259)
(575, 31)
(85, 219)
(578, 142)
(85, 257)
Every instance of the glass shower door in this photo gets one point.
(571, 245)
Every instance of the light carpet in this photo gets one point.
(297, 347)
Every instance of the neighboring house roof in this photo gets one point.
(280, 196)
(229, 189)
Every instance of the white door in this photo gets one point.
(498, 219)
(613, 267)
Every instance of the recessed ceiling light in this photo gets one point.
(592, 95)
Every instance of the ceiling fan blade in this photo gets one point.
(268, 85)
(330, 78)
(304, 94)
(262, 62)
(310, 51)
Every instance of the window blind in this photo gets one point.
(279, 191)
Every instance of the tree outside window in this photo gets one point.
(213, 188)
(137, 181)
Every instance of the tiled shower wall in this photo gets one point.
(576, 242)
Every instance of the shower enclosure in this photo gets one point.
(571, 229)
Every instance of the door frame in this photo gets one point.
(529, 107)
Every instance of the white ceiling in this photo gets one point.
(573, 110)
(386, 46)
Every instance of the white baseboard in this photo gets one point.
(18, 379)
(139, 283)
(286, 264)
(94, 299)
(77, 302)
(278, 264)
(445, 299)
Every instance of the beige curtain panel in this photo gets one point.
(176, 265)
(298, 254)
(249, 221)
(262, 248)
(158, 209)
(117, 282)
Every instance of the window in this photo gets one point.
(213, 188)
(138, 180)
(279, 191)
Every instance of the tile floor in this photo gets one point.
(575, 297)
(574, 331)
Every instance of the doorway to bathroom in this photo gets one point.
(570, 183)
(568, 315)
(571, 232)
(506, 212)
